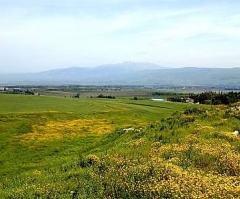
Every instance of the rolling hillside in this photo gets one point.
(99, 148)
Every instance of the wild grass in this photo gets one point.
(171, 151)
(36, 131)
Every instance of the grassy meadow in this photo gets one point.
(54, 147)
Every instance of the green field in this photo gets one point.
(53, 147)
(22, 115)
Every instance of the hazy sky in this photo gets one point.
(37, 35)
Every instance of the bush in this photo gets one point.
(92, 159)
(193, 111)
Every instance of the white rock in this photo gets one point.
(236, 133)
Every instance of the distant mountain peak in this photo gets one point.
(131, 66)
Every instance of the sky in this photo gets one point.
(47, 34)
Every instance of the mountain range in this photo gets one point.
(129, 73)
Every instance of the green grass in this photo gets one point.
(19, 113)
(57, 148)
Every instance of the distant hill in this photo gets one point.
(130, 73)
(189, 76)
(130, 67)
(100, 73)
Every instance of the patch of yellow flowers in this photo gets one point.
(53, 130)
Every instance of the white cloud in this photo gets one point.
(49, 34)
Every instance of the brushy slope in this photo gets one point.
(189, 154)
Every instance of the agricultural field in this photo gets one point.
(54, 147)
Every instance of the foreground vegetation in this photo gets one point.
(85, 148)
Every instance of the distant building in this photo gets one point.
(158, 100)
(189, 100)
(3, 88)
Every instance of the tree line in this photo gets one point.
(210, 97)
